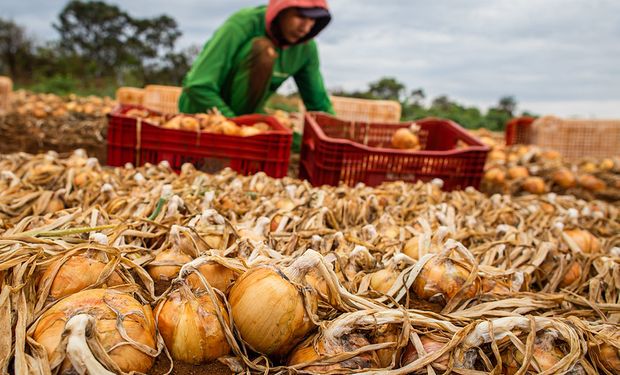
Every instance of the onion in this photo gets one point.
(589, 167)
(518, 172)
(443, 277)
(382, 280)
(326, 346)
(78, 272)
(564, 178)
(217, 275)
(585, 240)
(248, 131)
(607, 164)
(167, 263)
(190, 327)
(571, 274)
(551, 155)
(111, 309)
(496, 155)
(591, 183)
(189, 123)
(410, 354)
(269, 309)
(495, 175)
(534, 185)
(546, 354)
(607, 353)
(405, 139)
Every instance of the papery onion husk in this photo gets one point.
(586, 241)
(217, 275)
(591, 183)
(442, 276)
(167, 264)
(518, 172)
(410, 354)
(382, 280)
(546, 354)
(138, 322)
(607, 353)
(78, 272)
(190, 327)
(309, 351)
(269, 309)
(534, 185)
(564, 178)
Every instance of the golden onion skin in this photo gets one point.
(586, 241)
(410, 354)
(217, 275)
(443, 276)
(306, 353)
(168, 272)
(269, 311)
(77, 273)
(138, 323)
(382, 280)
(190, 328)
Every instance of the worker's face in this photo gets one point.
(294, 26)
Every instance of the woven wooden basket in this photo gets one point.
(164, 99)
(365, 110)
(576, 139)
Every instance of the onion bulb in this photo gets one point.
(546, 354)
(496, 155)
(518, 172)
(607, 353)
(586, 241)
(444, 277)
(406, 139)
(534, 185)
(591, 183)
(78, 272)
(217, 275)
(607, 164)
(571, 274)
(410, 354)
(564, 178)
(167, 263)
(382, 280)
(269, 309)
(326, 346)
(190, 327)
(495, 175)
(109, 308)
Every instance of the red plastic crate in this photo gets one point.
(139, 142)
(335, 151)
(519, 130)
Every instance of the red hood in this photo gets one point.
(276, 6)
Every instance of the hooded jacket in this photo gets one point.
(213, 80)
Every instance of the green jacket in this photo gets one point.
(216, 78)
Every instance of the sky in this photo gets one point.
(557, 57)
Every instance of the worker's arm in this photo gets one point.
(203, 84)
(310, 83)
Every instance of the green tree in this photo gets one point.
(507, 104)
(112, 40)
(387, 88)
(16, 49)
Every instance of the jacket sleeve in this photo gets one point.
(310, 83)
(203, 84)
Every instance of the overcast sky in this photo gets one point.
(555, 56)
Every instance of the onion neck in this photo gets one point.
(78, 330)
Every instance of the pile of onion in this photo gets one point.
(95, 330)
(168, 262)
